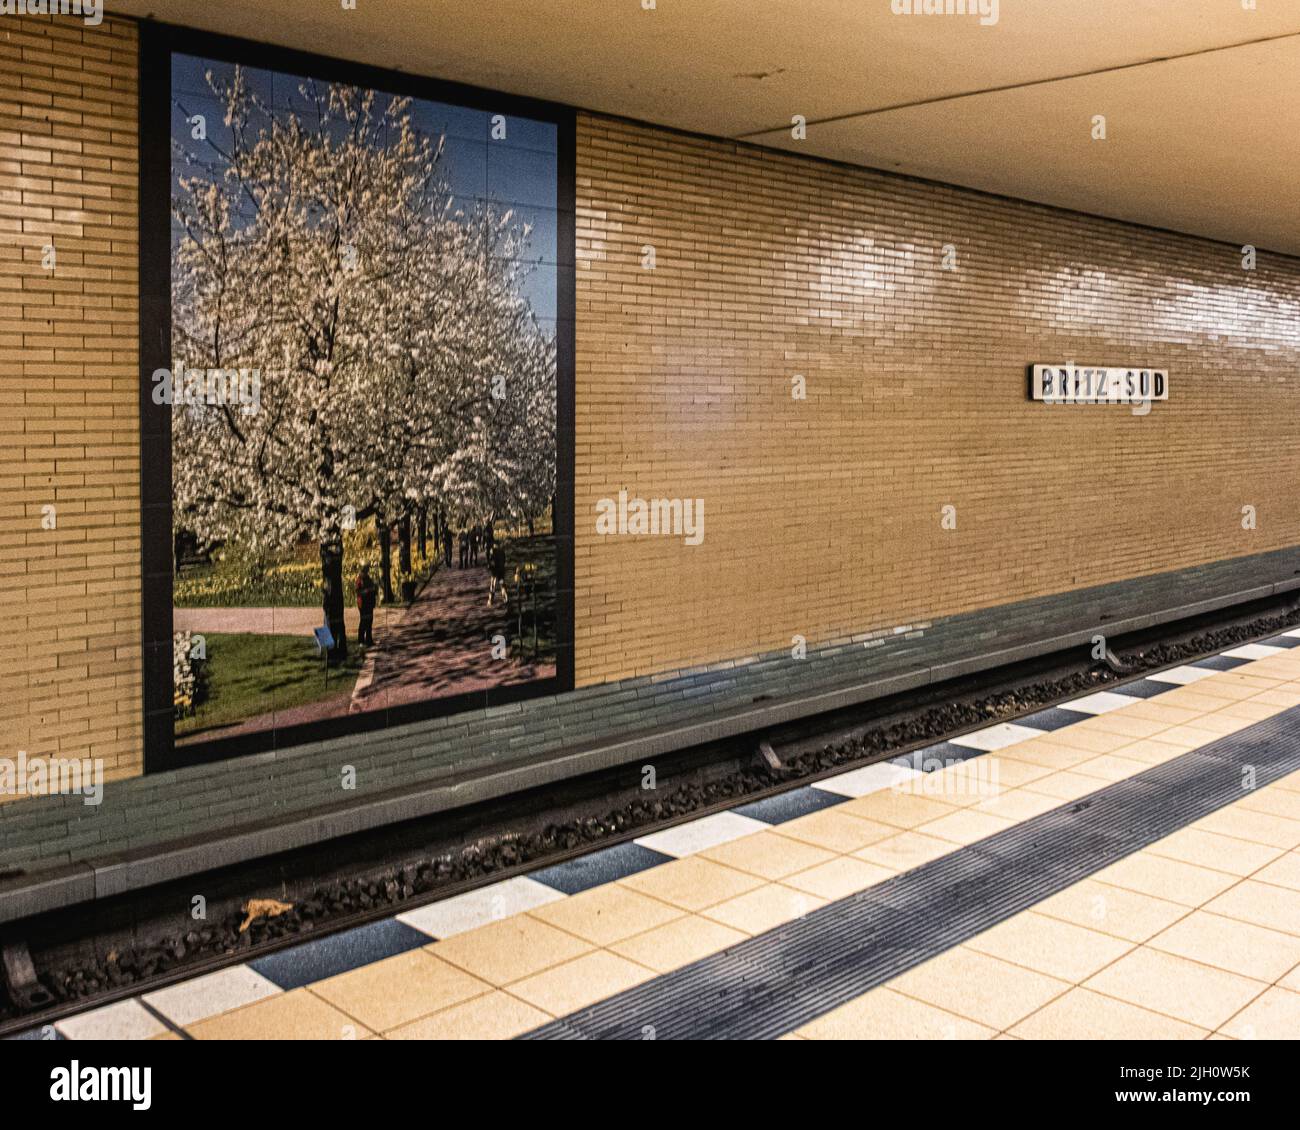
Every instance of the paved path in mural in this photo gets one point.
(442, 646)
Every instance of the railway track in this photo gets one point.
(371, 876)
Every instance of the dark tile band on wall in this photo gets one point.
(158, 42)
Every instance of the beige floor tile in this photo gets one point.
(1275, 802)
(296, 1015)
(1165, 879)
(1092, 741)
(1193, 735)
(959, 785)
(1112, 910)
(398, 989)
(835, 830)
(1281, 697)
(1222, 724)
(493, 1016)
(1050, 754)
(578, 983)
(768, 855)
(1251, 710)
(1065, 785)
(1176, 987)
(1291, 980)
(1291, 782)
(1085, 1015)
(1273, 907)
(1273, 1016)
(764, 909)
(1258, 827)
(1111, 767)
(898, 809)
(1198, 698)
(1017, 805)
(906, 850)
(1228, 943)
(514, 947)
(883, 1014)
(838, 878)
(1151, 751)
(606, 914)
(692, 883)
(1159, 710)
(1218, 853)
(1048, 945)
(1126, 725)
(981, 988)
(967, 826)
(1284, 871)
(678, 943)
(1006, 771)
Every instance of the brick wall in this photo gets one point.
(69, 436)
(822, 516)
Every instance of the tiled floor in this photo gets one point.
(1197, 934)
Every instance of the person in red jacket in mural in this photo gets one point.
(367, 596)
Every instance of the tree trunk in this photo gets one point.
(385, 534)
(424, 531)
(331, 569)
(404, 537)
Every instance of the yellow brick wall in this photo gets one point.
(69, 432)
(822, 516)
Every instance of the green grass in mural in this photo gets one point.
(248, 675)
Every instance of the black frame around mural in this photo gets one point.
(157, 44)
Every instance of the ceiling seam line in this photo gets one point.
(851, 116)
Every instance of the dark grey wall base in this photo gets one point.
(165, 826)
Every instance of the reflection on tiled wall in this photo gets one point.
(823, 515)
(70, 594)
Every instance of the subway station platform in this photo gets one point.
(1126, 865)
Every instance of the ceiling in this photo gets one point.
(1201, 97)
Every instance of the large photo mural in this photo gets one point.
(363, 399)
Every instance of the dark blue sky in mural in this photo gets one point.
(519, 173)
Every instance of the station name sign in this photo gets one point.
(1087, 384)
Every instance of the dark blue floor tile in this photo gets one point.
(1282, 641)
(1146, 688)
(599, 867)
(327, 957)
(791, 805)
(934, 757)
(1054, 718)
(1220, 662)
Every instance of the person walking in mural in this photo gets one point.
(367, 595)
(497, 566)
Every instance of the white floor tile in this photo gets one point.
(1183, 675)
(192, 1001)
(126, 1020)
(1101, 703)
(998, 737)
(1254, 651)
(698, 835)
(478, 908)
(870, 779)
